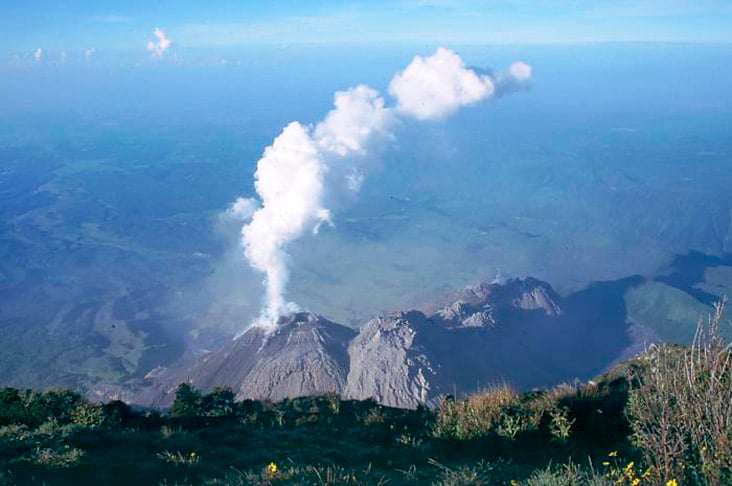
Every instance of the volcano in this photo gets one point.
(520, 333)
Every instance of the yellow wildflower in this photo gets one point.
(606, 464)
(672, 482)
(635, 482)
(272, 468)
(613, 454)
(629, 466)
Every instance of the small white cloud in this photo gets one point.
(38, 55)
(242, 209)
(436, 86)
(354, 181)
(517, 77)
(88, 53)
(520, 71)
(159, 46)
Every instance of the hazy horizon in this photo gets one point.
(116, 172)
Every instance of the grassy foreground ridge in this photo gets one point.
(663, 418)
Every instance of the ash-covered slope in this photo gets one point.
(481, 335)
(520, 332)
(306, 355)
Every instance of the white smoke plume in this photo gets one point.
(290, 181)
(162, 44)
(38, 55)
(304, 162)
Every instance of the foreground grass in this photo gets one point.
(56, 438)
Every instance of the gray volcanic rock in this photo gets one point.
(517, 333)
(476, 306)
(392, 363)
(305, 355)
(520, 333)
(406, 359)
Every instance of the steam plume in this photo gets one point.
(304, 162)
(290, 182)
(163, 43)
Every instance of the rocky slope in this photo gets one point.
(306, 355)
(520, 332)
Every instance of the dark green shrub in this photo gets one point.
(218, 403)
(90, 415)
(58, 405)
(12, 407)
(117, 413)
(187, 402)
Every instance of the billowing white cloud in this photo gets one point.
(436, 86)
(38, 55)
(159, 46)
(303, 162)
(359, 113)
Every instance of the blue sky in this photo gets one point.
(75, 25)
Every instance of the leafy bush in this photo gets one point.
(560, 426)
(218, 403)
(53, 404)
(90, 415)
(117, 413)
(12, 407)
(187, 403)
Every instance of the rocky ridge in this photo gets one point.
(519, 332)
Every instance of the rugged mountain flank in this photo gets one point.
(306, 355)
(519, 332)
(393, 361)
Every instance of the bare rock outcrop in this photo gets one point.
(305, 355)
(519, 332)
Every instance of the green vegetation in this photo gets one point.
(664, 418)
